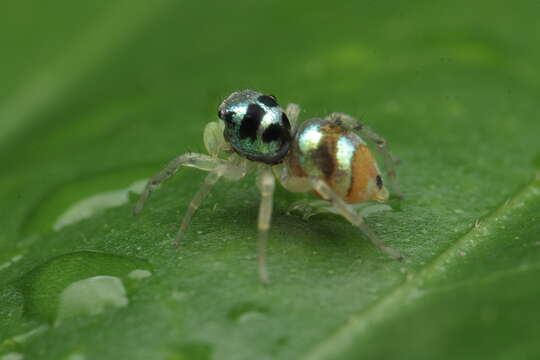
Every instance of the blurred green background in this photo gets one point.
(97, 95)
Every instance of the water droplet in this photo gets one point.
(22, 338)
(250, 316)
(247, 312)
(483, 231)
(12, 356)
(91, 297)
(96, 203)
(179, 295)
(84, 197)
(11, 261)
(43, 287)
(139, 274)
(76, 356)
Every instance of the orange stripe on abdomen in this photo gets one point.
(363, 170)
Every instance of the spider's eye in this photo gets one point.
(268, 100)
(226, 116)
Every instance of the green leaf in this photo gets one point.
(97, 96)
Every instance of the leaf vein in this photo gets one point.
(410, 289)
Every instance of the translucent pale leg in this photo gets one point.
(209, 182)
(390, 161)
(347, 212)
(293, 111)
(199, 161)
(311, 208)
(227, 170)
(266, 185)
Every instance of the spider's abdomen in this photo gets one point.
(340, 157)
(256, 126)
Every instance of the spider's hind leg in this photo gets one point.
(348, 212)
(390, 160)
(308, 209)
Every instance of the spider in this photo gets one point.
(323, 155)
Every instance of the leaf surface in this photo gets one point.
(99, 96)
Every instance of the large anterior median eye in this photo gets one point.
(268, 100)
(226, 116)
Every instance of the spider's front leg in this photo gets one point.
(266, 185)
(196, 160)
(390, 160)
(214, 143)
(348, 212)
(230, 171)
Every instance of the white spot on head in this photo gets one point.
(240, 111)
(271, 116)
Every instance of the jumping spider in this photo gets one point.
(326, 156)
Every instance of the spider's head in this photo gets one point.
(256, 126)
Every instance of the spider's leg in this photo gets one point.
(266, 184)
(209, 182)
(293, 111)
(390, 160)
(227, 170)
(348, 212)
(199, 161)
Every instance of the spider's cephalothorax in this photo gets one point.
(326, 156)
(256, 127)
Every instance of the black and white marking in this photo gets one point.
(256, 126)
